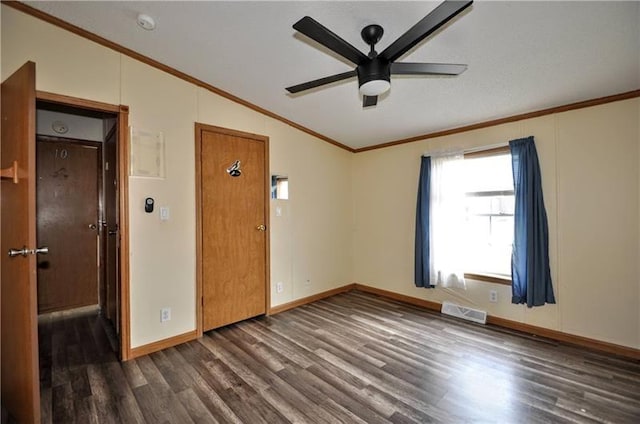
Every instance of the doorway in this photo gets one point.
(76, 210)
(232, 192)
(19, 321)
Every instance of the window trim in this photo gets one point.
(494, 151)
(488, 277)
(489, 193)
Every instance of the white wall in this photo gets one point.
(162, 252)
(589, 162)
(598, 208)
(311, 241)
(317, 216)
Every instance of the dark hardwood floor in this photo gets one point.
(352, 358)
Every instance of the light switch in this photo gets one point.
(278, 211)
(164, 213)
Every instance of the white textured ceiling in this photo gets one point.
(522, 57)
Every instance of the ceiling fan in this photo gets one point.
(374, 70)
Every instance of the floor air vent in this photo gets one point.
(463, 312)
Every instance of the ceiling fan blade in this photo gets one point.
(425, 27)
(369, 101)
(322, 81)
(406, 68)
(314, 30)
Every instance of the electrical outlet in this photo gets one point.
(165, 314)
(307, 283)
(493, 296)
(279, 287)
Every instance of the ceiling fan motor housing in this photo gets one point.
(375, 69)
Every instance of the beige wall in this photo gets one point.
(589, 161)
(310, 242)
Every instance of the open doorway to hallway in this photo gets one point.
(77, 209)
(77, 219)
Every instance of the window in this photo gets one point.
(489, 207)
(280, 187)
(466, 216)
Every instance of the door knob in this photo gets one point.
(19, 252)
(24, 251)
(261, 227)
(92, 226)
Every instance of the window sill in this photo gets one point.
(489, 278)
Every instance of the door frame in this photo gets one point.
(199, 128)
(122, 113)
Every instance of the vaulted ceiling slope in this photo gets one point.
(521, 57)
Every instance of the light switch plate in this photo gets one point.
(164, 213)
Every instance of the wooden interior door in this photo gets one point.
(110, 229)
(67, 217)
(19, 325)
(233, 225)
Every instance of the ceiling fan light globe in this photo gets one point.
(374, 87)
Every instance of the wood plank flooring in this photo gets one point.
(352, 358)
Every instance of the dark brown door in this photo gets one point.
(67, 216)
(20, 374)
(110, 230)
(233, 190)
